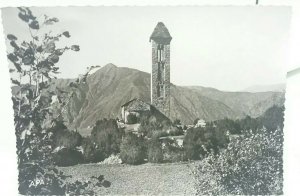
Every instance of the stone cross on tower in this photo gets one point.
(160, 77)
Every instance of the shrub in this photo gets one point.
(196, 121)
(177, 122)
(172, 152)
(201, 140)
(175, 131)
(251, 165)
(67, 157)
(229, 125)
(155, 154)
(132, 119)
(91, 154)
(63, 137)
(107, 137)
(132, 149)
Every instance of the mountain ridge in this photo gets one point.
(110, 87)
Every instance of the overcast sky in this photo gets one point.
(229, 48)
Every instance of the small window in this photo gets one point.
(158, 90)
(160, 53)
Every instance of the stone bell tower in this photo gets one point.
(160, 77)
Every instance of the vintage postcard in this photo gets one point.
(149, 100)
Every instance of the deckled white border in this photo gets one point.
(142, 2)
(8, 177)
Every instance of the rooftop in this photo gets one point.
(161, 34)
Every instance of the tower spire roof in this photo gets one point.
(161, 34)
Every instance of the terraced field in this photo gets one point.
(146, 179)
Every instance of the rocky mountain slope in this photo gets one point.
(111, 86)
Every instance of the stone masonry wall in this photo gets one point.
(161, 103)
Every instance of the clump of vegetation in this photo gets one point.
(251, 165)
(234, 127)
(62, 137)
(199, 141)
(67, 157)
(91, 152)
(133, 149)
(155, 153)
(172, 152)
(152, 128)
(107, 137)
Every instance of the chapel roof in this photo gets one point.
(137, 105)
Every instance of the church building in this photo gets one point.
(160, 80)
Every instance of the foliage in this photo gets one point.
(35, 65)
(177, 122)
(273, 118)
(155, 154)
(175, 131)
(196, 121)
(107, 137)
(62, 137)
(91, 154)
(132, 149)
(251, 165)
(67, 157)
(249, 123)
(172, 152)
(152, 128)
(229, 125)
(201, 140)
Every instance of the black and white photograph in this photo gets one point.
(148, 100)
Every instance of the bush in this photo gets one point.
(229, 125)
(67, 157)
(132, 149)
(175, 131)
(91, 154)
(273, 118)
(172, 152)
(132, 119)
(107, 137)
(177, 122)
(64, 137)
(251, 165)
(155, 154)
(199, 141)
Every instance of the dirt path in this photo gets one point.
(146, 179)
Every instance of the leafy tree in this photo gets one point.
(273, 118)
(34, 66)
